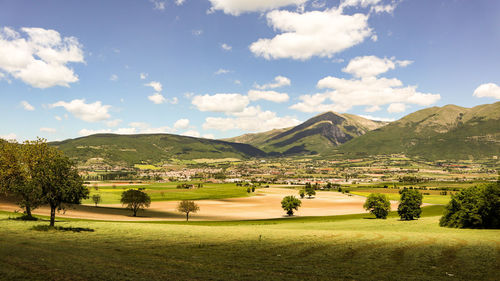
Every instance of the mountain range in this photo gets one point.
(448, 132)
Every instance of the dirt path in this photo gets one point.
(265, 205)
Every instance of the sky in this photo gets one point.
(222, 68)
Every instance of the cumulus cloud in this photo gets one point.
(48, 130)
(179, 2)
(369, 66)
(279, 81)
(273, 96)
(226, 47)
(490, 90)
(376, 6)
(155, 85)
(368, 90)
(10, 136)
(191, 133)
(221, 102)
(181, 124)
(143, 75)
(157, 98)
(135, 128)
(396, 107)
(252, 119)
(378, 118)
(89, 112)
(314, 33)
(27, 106)
(237, 7)
(40, 59)
(208, 136)
(158, 5)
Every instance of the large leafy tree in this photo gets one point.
(409, 205)
(17, 177)
(290, 203)
(378, 204)
(135, 200)
(474, 207)
(57, 177)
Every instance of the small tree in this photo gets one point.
(290, 203)
(302, 193)
(378, 204)
(135, 200)
(186, 206)
(409, 205)
(96, 198)
(310, 191)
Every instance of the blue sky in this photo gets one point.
(221, 68)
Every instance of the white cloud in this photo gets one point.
(139, 125)
(197, 32)
(48, 130)
(143, 75)
(396, 107)
(58, 118)
(158, 5)
(157, 98)
(155, 85)
(252, 119)
(279, 81)
(222, 71)
(27, 106)
(237, 82)
(41, 58)
(237, 7)
(372, 108)
(343, 94)
(179, 2)
(10, 136)
(273, 96)
(181, 124)
(135, 128)
(221, 102)
(226, 47)
(490, 90)
(376, 6)
(173, 100)
(113, 123)
(208, 136)
(314, 33)
(369, 66)
(113, 77)
(191, 133)
(90, 112)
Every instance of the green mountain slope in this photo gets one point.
(449, 132)
(151, 148)
(318, 135)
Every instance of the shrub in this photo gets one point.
(302, 193)
(378, 204)
(474, 207)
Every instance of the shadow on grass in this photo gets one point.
(61, 228)
(23, 218)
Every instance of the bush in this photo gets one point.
(474, 207)
(409, 205)
(378, 204)
(302, 193)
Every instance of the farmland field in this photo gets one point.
(351, 247)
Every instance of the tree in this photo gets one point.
(378, 204)
(96, 198)
(57, 177)
(474, 207)
(302, 193)
(186, 206)
(135, 200)
(290, 203)
(16, 175)
(310, 191)
(409, 205)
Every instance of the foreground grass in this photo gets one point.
(319, 248)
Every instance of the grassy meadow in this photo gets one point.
(169, 191)
(351, 247)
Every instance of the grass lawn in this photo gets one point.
(169, 192)
(352, 247)
(431, 199)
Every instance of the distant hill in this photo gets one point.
(448, 132)
(151, 148)
(318, 135)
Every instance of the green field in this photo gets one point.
(169, 191)
(350, 247)
(395, 196)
